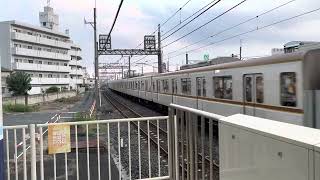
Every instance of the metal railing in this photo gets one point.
(194, 143)
(183, 145)
(128, 145)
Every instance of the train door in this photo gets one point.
(253, 92)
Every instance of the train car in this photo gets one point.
(280, 87)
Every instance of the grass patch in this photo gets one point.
(69, 100)
(83, 117)
(20, 108)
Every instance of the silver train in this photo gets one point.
(280, 87)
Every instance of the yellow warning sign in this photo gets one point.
(59, 139)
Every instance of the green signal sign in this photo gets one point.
(206, 57)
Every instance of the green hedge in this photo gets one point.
(19, 108)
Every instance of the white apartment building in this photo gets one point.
(49, 56)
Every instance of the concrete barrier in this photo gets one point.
(39, 98)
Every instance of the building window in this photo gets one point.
(29, 47)
(44, 23)
(40, 75)
(223, 87)
(49, 63)
(186, 86)
(288, 91)
(39, 62)
(65, 64)
(29, 33)
(30, 61)
(49, 75)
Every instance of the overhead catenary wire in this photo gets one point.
(198, 28)
(188, 18)
(253, 30)
(114, 20)
(234, 26)
(208, 8)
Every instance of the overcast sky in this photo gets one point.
(141, 17)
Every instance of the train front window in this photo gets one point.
(288, 91)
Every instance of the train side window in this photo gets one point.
(259, 89)
(186, 86)
(248, 85)
(174, 86)
(223, 87)
(165, 85)
(204, 90)
(158, 86)
(288, 91)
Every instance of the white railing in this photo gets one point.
(193, 144)
(134, 147)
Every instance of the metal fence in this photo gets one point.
(194, 143)
(98, 147)
(183, 145)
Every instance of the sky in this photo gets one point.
(141, 17)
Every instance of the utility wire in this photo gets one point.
(237, 25)
(190, 20)
(114, 20)
(174, 14)
(253, 30)
(116, 17)
(205, 23)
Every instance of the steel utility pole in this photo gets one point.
(129, 67)
(96, 63)
(187, 59)
(160, 53)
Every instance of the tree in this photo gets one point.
(19, 83)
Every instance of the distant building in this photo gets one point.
(295, 46)
(49, 56)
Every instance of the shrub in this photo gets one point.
(52, 89)
(82, 117)
(19, 108)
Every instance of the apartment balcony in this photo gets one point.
(40, 40)
(76, 81)
(75, 63)
(41, 67)
(40, 54)
(49, 81)
(75, 53)
(78, 72)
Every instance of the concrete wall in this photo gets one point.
(34, 99)
(5, 46)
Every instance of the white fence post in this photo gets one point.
(33, 152)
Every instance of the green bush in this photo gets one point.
(53, 89)
(82, 117)
(19, 108)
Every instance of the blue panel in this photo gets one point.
(1, 160)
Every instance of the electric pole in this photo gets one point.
(159, 49)
(187, 58)
(96, 63)
(129, 67)
(240, 49)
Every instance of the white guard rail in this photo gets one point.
(107, 149)
(195, 143)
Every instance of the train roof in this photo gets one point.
(274, 59)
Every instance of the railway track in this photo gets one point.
(128, 112)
